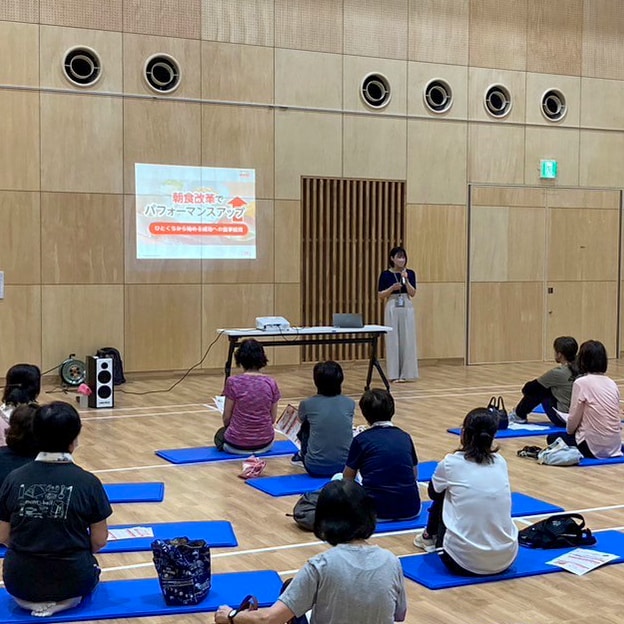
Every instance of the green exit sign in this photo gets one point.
(548, 169)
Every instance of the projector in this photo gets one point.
(271, 322)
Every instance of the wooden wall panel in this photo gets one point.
(507, 244)
(287, 241)
(583, 244)
(579, 198)
(234, 136)
(436, 161)
(496, 154)
(435, 239)
(56, 41)
(441, 320)
(20, 238)
(81, 143)
(19, 147)
(603, 45)
(498, 33)
(589, 307)
(439, 36)
(238, 21)
(257, 271)
(20, 44)
(237, 73)
(22, 11)
(170, 18)
(373, 28)
(305, 144)
(599, 158)
(599, 104)
(162, 327)
(80, 319)
(506, 322)
(560, 144)
(374, 147)
(160, 132)
(138, 48)
(480, 80)
(507, 196)
(93, 14)
(420, 74)
(153, 271)
(555, 37)
(88, 253)
(315, 25)
(20, 325)
(356, 68)
(288, 305)
(231, 305)
(298, 75)
(349, 226)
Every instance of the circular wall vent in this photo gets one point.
(554, 106)
(438, 96)
(162, 73)
(376, 90)
(82, 66)
(497, 101)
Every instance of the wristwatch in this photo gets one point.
(231, 615)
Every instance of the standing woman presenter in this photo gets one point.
(397, 286)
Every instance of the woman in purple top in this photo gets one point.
(250, 404)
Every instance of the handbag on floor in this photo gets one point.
(497, 406)
(558, 531)
(183, 568)
(559, 454)
(304, 510)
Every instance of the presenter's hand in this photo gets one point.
(396, 286)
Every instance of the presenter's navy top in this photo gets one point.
(387, 278)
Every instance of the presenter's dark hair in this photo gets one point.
(592, 357)
(477, 435)
(250, 355)
(377, 405)
(344, 513)
(19, 436)
(328, 378)
(56, 426)
(396, 251)
(23, 384)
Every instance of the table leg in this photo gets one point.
(374, 362)
(228, 363)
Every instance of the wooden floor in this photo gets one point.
(119, 444)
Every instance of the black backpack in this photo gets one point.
(305, 510)
(560, 531)
(118, 374)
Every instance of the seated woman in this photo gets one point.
(20, 446)
(250, 404)
(52, 519)
(470, 514)
(22, 386)
(594, 423)
(353, 581)
(326, 423)
(386, 459)
(553, 389)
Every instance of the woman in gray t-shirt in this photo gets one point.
(345, 517)
(553, 390)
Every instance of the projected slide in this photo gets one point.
(195, 212)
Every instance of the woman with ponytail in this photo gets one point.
(22, 386)
(470, 516)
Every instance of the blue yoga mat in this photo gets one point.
(218, 534)
(143, 598)
(429, 571)
(546, 428)
(586, 462)
(521, 505)
(135, 492)
(204, 454)
(289, 485)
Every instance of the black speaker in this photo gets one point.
(100, 380)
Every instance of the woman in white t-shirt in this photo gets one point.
(470, 515)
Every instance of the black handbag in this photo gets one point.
(559, 531)
(183, 568)
(497, 406)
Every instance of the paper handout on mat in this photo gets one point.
(581, 560)
(289, 424)
(130, 533)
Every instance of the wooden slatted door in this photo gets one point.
(348, 228)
